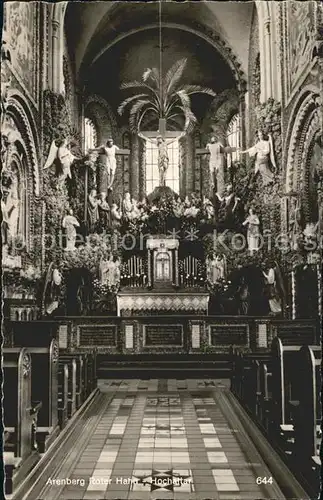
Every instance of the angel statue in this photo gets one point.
(163, 158)
(62, 156)
(69, 223)
(263, 150)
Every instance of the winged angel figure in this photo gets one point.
(263, 150)
(62, 157)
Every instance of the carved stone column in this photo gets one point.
(149, 268)
(267, 47)
(55, 55)
(134, 179)
(176, 267)
(293, 295)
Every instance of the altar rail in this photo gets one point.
(177, 333)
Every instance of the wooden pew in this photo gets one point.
(72, 369)
(308, 412)
(80, 360)
(20, 416)
(62, 401)
(44, 385)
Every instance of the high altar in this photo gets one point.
(163, 294)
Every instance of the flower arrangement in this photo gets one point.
(103, 289)
(22, 281)
(88, 255)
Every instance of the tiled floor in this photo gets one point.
(160, 440)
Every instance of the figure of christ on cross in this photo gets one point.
(216, 151)
(163, 139)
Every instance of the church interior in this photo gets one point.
(162, 229)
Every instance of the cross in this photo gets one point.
(218, 179)
(162, 131)
(163, 159)
(123, 152)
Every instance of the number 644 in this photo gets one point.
(264, 480)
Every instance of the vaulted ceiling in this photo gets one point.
(113, 42)
(91, 24)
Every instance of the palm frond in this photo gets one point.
(173, 76)
(127, 101)
(197, 89)
(152, 74)
(143, 114)
(190, 118)
(135, 113)
(142, 85)
(184, 99)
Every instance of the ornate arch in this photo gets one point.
(19, 111)
(206, 33)
(222, 109)
(99, 111)
(304, 125)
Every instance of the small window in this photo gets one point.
(233, 138)
(90, 135)
(152, 173)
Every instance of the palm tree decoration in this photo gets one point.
(161, 97)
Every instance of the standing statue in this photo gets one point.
(61, 157)
(271, 290)
(295, 221)
(52, 291)
(70, 223)
(163, 158)
(12, 212)
(115, 216)
(227, 205)
(4, 226)
(216, 150)
(107, 165)
(263, 150)
(104, 271)
(216, 268)
(209, 208)
(127, 206)
(104, 210)
(253, 231)
(5, 80)
(92, 210)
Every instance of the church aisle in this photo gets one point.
(164, 440)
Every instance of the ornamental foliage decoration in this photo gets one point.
(160, 96)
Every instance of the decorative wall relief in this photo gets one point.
(301, 26)
(21, 35)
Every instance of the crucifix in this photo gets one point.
(107, 168)
(215, 151)
(162, 139)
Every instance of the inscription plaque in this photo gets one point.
(98, 335)
(62, 337)
(228, 335)
(129, 336)
(163, 335)
(262, 335)
(195, 336)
